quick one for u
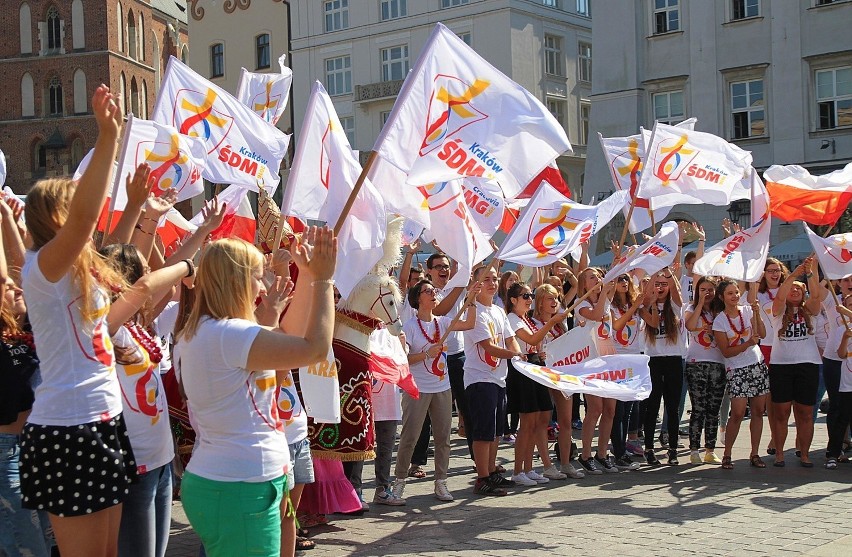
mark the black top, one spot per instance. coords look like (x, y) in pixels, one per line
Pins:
(18, 366)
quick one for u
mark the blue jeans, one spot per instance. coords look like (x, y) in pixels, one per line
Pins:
(22, 531)
(146, 515)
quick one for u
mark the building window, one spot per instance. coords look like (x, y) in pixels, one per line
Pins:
(824, 2)
(557, 108)
(217, 60)
(585, 114)
(27, 96)
(384, 115)
(25, 25)
(584, 62)
(668, 107)
(747, 106)
(77, 152)
(394, 63)
(834, 97)
(81, 96)
(39, 157)
(54, 98)
(583, 7)
(466, 38)
(348, 124)
(552, 55)
(120, 13)
(452, 3)
(666, 16)
(54, 35)
(336, 15)
(392, 9)
(741, 9)
(262, 57)
(338, 75)
(131, 36)
(550, 3)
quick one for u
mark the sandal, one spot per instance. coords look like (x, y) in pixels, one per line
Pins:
(500, 469)
(726, 463)
(770, 450)
(756, 461)
(304, 544)
(303, 533)
(416, 472)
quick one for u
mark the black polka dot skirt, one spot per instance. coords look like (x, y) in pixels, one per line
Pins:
(76, 470)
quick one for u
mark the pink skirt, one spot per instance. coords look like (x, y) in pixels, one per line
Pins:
(331, 492)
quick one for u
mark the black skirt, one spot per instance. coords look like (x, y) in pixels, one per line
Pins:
(76, 470)
(524, 395)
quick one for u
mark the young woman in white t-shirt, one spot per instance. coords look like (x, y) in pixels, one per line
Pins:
(225, 362)
(665, 344)
(839, 421)
(774, 273)
(794, 370)
(738, 330)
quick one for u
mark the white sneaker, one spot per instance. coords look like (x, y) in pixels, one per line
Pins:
(537, 478)
(441, 491)
(572, 472)
(386, 497)
(398, 488)
(553, 473)
(522, 479)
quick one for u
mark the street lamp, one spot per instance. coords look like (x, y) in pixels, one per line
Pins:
(737, 209)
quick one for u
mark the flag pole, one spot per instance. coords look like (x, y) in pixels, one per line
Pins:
(653, 223)
(626, 225)
(354, 194)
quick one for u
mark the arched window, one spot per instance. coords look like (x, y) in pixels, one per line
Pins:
(78, 27)
(134, 98)
(131, 36)
(25, 21)
(39, 156)
(141, 37)
(77, 152)
(27, 97)
(156, 61)
(54, 31)
(144, 101)
(122, 85)
(184, 54)
(55, 102)
(262, 54)
(120, 34)
(80, 94)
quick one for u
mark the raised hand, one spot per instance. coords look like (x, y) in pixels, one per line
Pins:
(159, 206)
(700, 231)
(278, 294)
(279, 262)
(107, 110)
(316, 254)
(213, 214)
(139, 185)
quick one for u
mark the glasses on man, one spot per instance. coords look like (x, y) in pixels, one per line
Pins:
(441, 267)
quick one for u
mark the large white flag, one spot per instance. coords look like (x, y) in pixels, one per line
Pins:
(654, 255)
(622, 377)
(742, 256)
(552, 225)
(833, 253)
(321, 179)
(266, 93)
(485, 202)
(177, 161)
(575, 346)
(684, 166)
(243, 149)
(458, 116)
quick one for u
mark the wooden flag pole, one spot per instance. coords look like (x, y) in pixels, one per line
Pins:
(653, 223)
(358, 184)
(624, 230)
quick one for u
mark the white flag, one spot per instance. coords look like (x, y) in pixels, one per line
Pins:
(683, 166)
(552, 225)
(321, 390)
(575, 346)
(177, 161)
(652, 256)
(266, 93)
(2, 168)
(833, 253)
(321, 179)
(458, 116)
(622, 377)
(485, 202)
(243, 149)
(742, 256)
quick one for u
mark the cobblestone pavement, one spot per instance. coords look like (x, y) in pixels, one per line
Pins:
(688, 509)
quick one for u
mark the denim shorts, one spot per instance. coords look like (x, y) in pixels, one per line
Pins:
(301, 462)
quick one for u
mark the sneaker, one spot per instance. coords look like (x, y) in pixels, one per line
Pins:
(441, 491)
(522, 479)
(664, 439)
(537, 478)
(672, 458)
(625, 463)
(651, 458)
(635, 448)
(606, 465)
(589, 466)
(501, 481)
(552, 433)
(712, 458)
(683, 433)
(386, 497)
(577, 424)
(484, 486)
(510, 439)
(572, 472)
(364, 505)
(695, 458)
(553, 473)
(398, 488)
(831, 464)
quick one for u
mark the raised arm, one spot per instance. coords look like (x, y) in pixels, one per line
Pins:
(780, 301)
(756, 321)
(12, 243)
(152, 286)
(213, 214)
(138, 188)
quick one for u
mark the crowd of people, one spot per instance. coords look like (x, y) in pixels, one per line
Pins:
(91, 329)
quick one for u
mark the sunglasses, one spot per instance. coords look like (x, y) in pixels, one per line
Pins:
(527, 296)
(625, 278)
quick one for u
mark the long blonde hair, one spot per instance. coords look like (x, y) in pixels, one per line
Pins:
(46, 211)
(223, 283)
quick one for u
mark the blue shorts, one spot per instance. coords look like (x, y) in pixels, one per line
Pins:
(301, 462)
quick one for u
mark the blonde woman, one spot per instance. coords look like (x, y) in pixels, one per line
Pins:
(235, 482)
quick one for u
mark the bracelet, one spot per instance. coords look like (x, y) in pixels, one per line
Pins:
(142, 230)
(190, 268)
(808, 275)
(326, 281)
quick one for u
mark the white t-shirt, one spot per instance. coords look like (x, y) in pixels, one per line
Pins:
(846, 364)
(821, 329)
(741, 335)
(146, 412)
(663, 346)
(291, 411)
(456, 340)
(833, 322)
(387, 402)
(79, 384)
(430, 374)
(479, 367)
(630, 339)
(766, 299)
(407, 311)
(702, 344)
(686, 286)
(794, 345)
(601, 331)
(234, 410)
(164, 325)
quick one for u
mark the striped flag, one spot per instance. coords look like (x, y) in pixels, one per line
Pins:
(794, 194)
